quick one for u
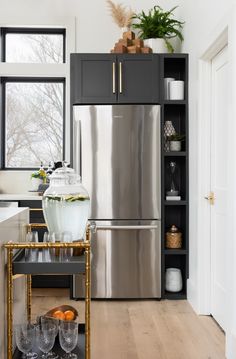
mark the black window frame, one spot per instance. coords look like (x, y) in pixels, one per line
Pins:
(33, 31)
(17, 79)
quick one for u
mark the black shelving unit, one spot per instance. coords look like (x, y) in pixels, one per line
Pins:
(175, 212)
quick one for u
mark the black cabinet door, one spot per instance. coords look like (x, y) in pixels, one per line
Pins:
(93, 78)
(138, 78)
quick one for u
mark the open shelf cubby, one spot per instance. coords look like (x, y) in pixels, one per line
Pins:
(179, 177)
(177, 261)
(175, 212)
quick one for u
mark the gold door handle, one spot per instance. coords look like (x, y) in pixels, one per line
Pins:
(120, 77)
(114, 77)
(211, 198)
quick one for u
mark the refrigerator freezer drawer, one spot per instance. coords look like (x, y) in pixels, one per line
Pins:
(126, 262)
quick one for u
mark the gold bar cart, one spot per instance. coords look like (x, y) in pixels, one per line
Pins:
(16, 266)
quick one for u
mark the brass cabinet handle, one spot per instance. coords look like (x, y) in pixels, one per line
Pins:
(211, 198)
(114, 77)
(120, 76)
(36, 209)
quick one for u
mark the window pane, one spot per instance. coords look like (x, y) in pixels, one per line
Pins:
(34, 123)
(34, 48)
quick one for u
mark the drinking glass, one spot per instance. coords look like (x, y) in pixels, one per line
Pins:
(32, 254)
(45, 338)
(46, 256)
(44, 321)
(68, 337)
(66, 253)
(24, 335)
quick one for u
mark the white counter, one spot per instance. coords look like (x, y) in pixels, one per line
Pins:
(13, 222)
(20, 197)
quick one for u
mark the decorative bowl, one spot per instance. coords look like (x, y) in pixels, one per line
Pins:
(62, 308)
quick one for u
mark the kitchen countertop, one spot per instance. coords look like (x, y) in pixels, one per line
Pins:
(20, 197)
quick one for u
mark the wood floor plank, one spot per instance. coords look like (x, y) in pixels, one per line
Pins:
(146, 329)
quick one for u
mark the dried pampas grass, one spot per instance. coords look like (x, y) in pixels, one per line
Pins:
(121, 16)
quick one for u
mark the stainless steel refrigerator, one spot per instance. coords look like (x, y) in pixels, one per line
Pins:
(116, 151)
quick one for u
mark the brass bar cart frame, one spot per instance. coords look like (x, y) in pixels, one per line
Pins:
(86, 245)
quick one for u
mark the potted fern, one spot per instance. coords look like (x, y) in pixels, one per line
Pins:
(157, 27)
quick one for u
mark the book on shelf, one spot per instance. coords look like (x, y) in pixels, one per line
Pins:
(173, 198)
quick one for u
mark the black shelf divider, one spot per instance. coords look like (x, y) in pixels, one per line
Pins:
(175, 212)
(175, 203)
(175, 154)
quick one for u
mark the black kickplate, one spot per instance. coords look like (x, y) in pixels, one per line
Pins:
(79, 350)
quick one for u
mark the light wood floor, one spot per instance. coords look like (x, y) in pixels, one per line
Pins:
(143, 329)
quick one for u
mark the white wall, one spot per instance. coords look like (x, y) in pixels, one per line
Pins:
(205, 19)
(95, 32)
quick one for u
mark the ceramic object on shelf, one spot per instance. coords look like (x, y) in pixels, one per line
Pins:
(66, 203)
(167, 81)
(175, 146)
(157, 45)
(173, 280)
(176, 90)
(169, 130)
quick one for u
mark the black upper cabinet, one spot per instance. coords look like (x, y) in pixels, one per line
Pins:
(109, 78)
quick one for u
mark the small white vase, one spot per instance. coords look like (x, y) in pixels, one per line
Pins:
(174, 281)
(158, 45)
(35, 182)
(175, 145)
(176, 89)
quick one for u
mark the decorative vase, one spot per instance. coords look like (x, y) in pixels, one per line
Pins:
(35, 182)
(66, 204)
(175, 146)
(167, 81)
(173, 280)
(173, 238)
(176, 90)
(169, 130)
(158, 45)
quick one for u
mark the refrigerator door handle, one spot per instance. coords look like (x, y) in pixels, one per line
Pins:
(77, 147)
(101, 227)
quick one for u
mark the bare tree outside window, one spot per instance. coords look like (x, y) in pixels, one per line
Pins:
(34, 109)
(34, 48)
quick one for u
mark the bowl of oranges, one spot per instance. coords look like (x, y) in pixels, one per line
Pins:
(63, 312)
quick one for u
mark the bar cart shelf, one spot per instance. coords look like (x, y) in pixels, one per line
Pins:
(17, 265)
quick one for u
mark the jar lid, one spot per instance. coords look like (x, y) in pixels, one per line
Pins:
(173, 229)
(65, 173)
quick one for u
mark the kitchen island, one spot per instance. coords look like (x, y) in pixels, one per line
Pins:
(13, 224)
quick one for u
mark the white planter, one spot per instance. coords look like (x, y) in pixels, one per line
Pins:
(35, 182)
(158, 46)
(175, 145)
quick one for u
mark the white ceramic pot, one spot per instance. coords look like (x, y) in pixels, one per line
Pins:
(175, 145)
(35, 182)
(176, 90)
(167, 81)
(174, 281)
(158, 45)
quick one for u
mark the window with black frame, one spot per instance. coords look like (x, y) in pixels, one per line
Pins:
(33, 108)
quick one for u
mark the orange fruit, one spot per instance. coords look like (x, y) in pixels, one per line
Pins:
(69, 315)
(59, 315)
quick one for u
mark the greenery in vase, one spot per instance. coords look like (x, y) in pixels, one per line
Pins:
(176, 137)
(68, 198)
(158, 23)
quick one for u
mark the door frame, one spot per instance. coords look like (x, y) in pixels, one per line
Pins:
(204, 131)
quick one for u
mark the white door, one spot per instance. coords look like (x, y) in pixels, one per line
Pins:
(219, 185)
